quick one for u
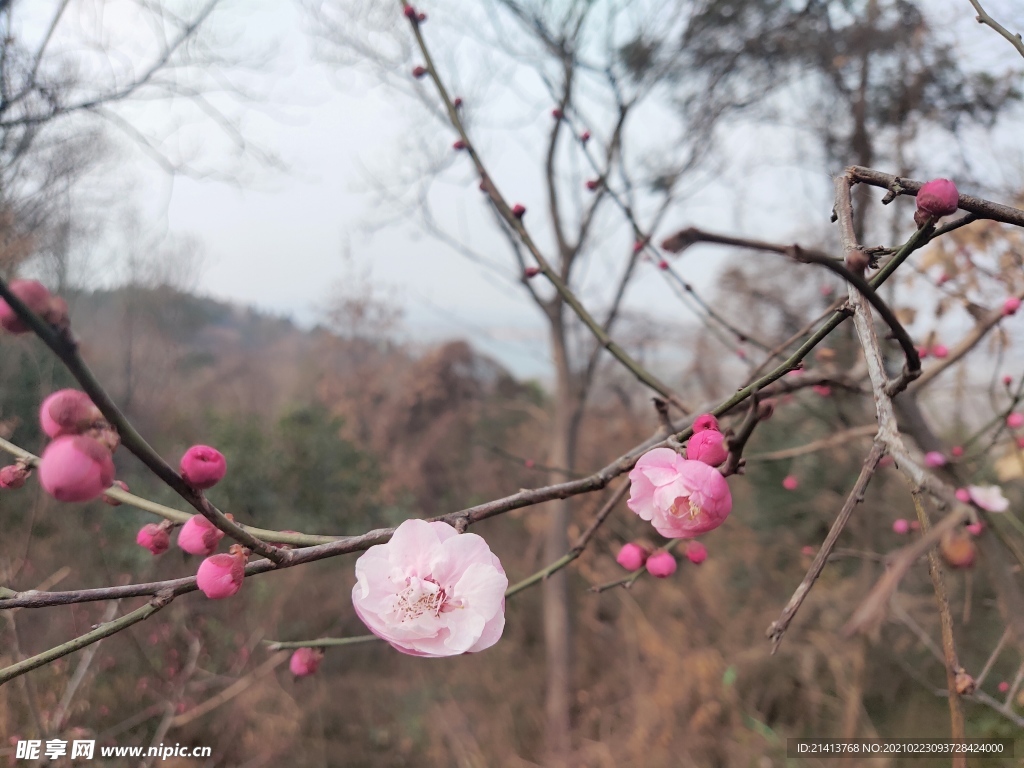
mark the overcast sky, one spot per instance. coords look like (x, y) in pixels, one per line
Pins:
(278, 238)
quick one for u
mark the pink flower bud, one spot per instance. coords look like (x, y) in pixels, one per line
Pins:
(975, 529)
(1004, 687)
(661, 565)
(696, 552)
(305, 661)
(110, 499)
(557, 113)
(807, 550)
(790, 483)
(529, 463)
(458, 102)
(707, 446)
(822, 390)
(203, 467)
(14, 476)
(75, 468)
(663, 265)
(934, 459)
(922, 352)
(962, 494)
(1015, 420)
(957, 549)
(632, 557)
(593, 184)
(705, 421)
(419, 71)
(68, 412)
(585, 137)
(33, 295)
(518, 210)
(220, 576)
(957, 451)
(153, 537)
(765, 409)
(531, 272)
(198, 536)
(940, 351)
(409, 11)
(939, 197)
(1011, 305)
(1007, 380)
(901, 526)
(421, 17)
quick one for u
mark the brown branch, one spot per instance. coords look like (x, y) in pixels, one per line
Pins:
(984, 18)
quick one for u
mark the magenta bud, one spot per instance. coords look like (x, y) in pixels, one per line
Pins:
(14, 476)
(421, 17)
(593, 184)
(790, 483)
(75, 468)
(1007, 380)
(458, 102)
(939, 197)
(975, 529)
(154, 537)
(1011, 305)
(198, 536)
(822, 390)
(1004, 687)
(220, 576)
(203, 467)
(68, 412)
(807, 550)
(632, 556)
(409, 11)
(531, 272)
(663, 265)
(557, 113)
(696, 552)
(33, 295)
(305, 661)
(1015, 420)
(518, 210)
(661, 565)
(419, 71)
(585, 137)
(705, 421)
(901, 526)
(940, 351)
(708, 446)
(962, 494)
(934, 459)
(459, 144)
(529, 463)
(957, 451)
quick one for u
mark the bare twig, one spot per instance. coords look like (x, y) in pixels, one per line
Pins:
(984, 18)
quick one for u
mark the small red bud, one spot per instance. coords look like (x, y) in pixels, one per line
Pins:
(529, 464)
(419, 71)
(940, 351)
(790, 483)
(557, 113)
(531, 272)
(939, 197)
(305, 661)
(458, 102)
(585, 137)
(593, 184)
(421, 17)
(663, 265)
(518, 210)
(459, 144)
(696, 552)
(410, 12)
(1011, 305)
(1007, 380)
(957, 451)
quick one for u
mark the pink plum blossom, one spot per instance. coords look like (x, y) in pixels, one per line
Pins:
(680, 497)
(705, 421)
(901, 526)
(431, 591)
(1015, 420)
(632, 556)
(939, 197)
(696, 552)
(708, 446)
(203, 467)
(198, 536)
(989, 497)
(68, 412)
(221, 576)
(153, 537)
(14, 476)
(934, 459)
(32, 294)
(661, 565)
(305, 661)
(75, 468)
(1011, 305)
(790, 483)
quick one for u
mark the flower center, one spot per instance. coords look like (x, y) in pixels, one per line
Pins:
(678, 510)
(421, 596)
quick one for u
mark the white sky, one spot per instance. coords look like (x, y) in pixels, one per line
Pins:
(278, 242)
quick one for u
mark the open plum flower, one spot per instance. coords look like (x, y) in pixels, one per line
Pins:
(431, 591)
(682, 498)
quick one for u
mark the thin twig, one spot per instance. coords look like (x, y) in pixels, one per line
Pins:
(984, 18)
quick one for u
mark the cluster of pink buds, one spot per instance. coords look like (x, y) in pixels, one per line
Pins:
(937, 198)
(33, 294)
(660, 564)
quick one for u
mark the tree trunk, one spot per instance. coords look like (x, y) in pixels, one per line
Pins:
(557, 630)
